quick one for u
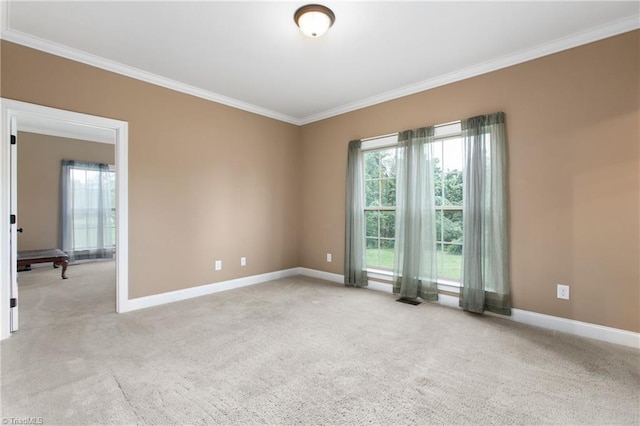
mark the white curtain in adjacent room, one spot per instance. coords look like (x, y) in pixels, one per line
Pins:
(87, 210)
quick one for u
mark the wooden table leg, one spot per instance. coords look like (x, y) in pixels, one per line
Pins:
(64, 264)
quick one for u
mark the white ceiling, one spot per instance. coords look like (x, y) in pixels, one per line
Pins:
(251, 55)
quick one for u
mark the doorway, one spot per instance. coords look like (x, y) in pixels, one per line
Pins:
(23, 117)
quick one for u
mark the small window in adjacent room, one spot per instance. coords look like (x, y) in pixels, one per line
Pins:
(88, 215)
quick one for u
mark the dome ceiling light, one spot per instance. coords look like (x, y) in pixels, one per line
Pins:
(314, 19)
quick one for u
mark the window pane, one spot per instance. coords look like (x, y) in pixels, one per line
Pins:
(372, 252)
(372, 258)
(380, 191)
(80, 198)
(388, 163)
(388, 192)
(452, 226)
(452, 262)
(372, 193)
(448, 168)
(372, 165)
(372, 243)
(77, 176)
(380, 238)
(371, 218)
(92, 218)
(79, 221)
(387, 253)
(388, 224)
(92, 237)
(452, 172)
(453, 188)
(90, 223)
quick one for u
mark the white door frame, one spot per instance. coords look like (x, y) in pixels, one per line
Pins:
(13, 227)
(17, 109)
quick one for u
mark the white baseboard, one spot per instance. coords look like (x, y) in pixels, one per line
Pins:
(191, 292)
(329, 276)
(450, 301)
(577, 328)
(337, 278)
(378, 286)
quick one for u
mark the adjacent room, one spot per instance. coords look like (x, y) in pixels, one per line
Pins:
(66, 196)
(336, 213)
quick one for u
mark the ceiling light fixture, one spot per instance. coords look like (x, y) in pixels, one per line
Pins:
(314, 19)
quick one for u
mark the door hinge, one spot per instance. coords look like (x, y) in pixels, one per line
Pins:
(12, 220)
(13, 302)
(13, 139)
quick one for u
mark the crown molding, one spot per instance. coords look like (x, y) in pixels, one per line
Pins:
(599, 33)
(118, 68)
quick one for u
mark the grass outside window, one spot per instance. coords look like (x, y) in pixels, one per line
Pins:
(449, 265)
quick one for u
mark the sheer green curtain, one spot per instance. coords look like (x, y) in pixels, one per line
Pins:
(355, 273)
(414, 269)
(485, 267)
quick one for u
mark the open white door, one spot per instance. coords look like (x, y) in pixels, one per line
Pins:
(13, 232)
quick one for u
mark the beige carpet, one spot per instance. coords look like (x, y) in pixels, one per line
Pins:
(297, 351)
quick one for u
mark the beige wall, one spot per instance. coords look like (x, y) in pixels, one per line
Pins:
(573, 139)
(210, 182)
(39, 166)
(206, 181)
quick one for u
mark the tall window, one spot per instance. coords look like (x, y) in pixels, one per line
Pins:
(380, 201)
(449, 202)
(380, 207)
(88, 210)
(448, 195)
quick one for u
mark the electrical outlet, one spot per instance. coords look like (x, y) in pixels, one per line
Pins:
(243, 261)
(218, 265)
(563, 291)
(329, 257)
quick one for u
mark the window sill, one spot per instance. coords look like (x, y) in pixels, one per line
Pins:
(380, 274)
(386, 277)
